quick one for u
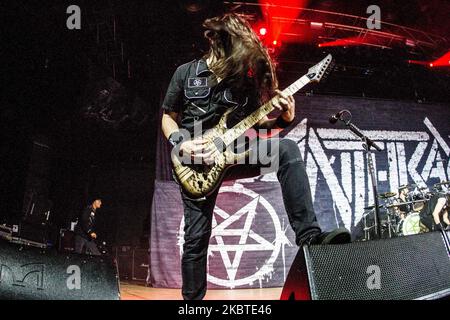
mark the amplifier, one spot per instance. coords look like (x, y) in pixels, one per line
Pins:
(403, 268)
(28, 273)
(132, 263)
(66, 241)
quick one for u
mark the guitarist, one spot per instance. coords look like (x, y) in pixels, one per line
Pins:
(237, 73)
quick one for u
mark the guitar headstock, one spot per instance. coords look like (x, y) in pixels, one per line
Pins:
(320, 70)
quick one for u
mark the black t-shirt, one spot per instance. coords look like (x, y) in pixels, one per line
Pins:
(431, 204)
(194, 92)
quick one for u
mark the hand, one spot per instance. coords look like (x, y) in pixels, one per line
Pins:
(200, 150)
(93, 235)
(286, 104)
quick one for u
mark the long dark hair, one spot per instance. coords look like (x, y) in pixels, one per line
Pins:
(240, 57)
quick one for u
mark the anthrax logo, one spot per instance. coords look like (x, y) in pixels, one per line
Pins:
(335, 160)
(234, 238)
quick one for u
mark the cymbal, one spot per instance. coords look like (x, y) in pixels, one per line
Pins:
(387, 195)
(407, 186)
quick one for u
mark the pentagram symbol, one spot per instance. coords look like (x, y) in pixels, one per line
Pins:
(234, 238)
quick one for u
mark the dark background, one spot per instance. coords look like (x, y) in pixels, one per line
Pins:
(85, 103)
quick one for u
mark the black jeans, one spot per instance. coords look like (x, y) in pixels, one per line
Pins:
(90, 245)
(291, 173)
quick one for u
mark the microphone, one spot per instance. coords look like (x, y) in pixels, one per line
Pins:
(338, 116)
(335, 117)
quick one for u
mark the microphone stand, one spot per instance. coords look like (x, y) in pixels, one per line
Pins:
(367, 145)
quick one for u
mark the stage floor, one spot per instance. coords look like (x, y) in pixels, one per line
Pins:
(138, 291)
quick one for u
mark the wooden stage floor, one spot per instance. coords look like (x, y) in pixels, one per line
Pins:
(138, 291)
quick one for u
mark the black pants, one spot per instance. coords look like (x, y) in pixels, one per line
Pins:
(82, 243)
(291, 173)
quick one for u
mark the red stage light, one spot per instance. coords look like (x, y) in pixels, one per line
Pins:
(410, 43)
(443, 61)
(316, 25)
(276, 43)
(262, 31)
(353, 41)
(424, 63)
(280, 15)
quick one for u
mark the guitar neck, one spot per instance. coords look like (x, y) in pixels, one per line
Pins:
(261, 112)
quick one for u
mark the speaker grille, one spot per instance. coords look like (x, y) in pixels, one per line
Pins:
(412, 267)
(30, 273)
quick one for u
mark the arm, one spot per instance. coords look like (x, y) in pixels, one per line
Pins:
(287, 105)
(437, 209)
(172, 107)
(173, 104)
(169, 123)
(196, 148)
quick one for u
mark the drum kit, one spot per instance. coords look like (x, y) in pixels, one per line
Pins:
(400, 211)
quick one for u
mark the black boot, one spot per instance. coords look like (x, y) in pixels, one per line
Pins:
(337, 236)
(439, 227)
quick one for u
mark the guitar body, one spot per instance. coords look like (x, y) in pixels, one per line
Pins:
(199, 180)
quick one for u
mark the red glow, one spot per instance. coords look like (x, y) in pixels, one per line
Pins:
(353, 41)
(443, 61)
(276, 10)
(424, 63)
(410, 43)
(262, 31)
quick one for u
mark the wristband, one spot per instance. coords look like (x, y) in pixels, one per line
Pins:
(281, 123)
(175, 138)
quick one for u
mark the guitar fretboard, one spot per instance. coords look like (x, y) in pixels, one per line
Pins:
(261, 112)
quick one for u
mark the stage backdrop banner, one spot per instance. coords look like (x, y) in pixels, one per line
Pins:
(252, 243)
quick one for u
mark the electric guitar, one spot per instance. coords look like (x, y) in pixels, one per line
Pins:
(199, 180)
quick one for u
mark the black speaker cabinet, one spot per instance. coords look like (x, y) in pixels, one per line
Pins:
(66, 241)
(132, 263)
(36, 232)
(404, 268)
(32, 273)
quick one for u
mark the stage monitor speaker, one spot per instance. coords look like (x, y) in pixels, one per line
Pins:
(403, 268)
(28, 273)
